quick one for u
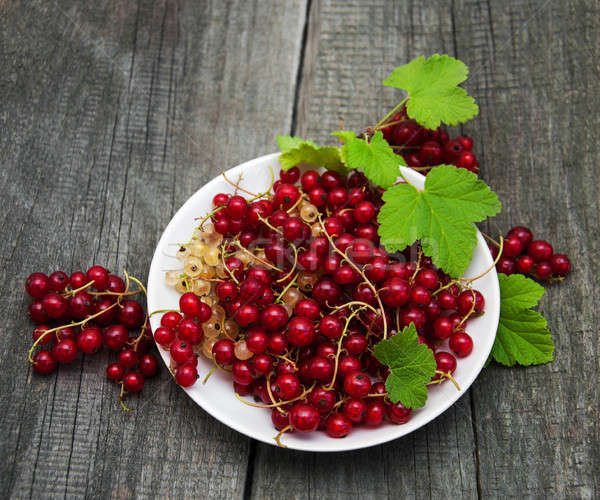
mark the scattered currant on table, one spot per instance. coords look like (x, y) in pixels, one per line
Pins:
(85, 312)
(523, 255)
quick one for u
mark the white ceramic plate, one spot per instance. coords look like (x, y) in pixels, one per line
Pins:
(217, 397)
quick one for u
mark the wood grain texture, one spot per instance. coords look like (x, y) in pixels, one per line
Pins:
(111, 113)
(351, 47)
(534, 72)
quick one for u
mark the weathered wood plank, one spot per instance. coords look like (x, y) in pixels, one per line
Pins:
(352, 46)
(113, 114)
(534, 73)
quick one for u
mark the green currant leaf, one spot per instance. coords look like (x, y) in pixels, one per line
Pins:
(433, 92)
(344, 135)
(523, 336)
(289, 142)
(441, 216)
(296, 151)
(411, 367)
(376, 158)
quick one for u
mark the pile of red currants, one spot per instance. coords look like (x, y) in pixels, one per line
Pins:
(422, 148)
(84, 312)
(290, 291)
(522, 254)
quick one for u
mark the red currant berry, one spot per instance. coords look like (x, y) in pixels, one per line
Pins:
(357, 385)
(461, 343)
(290, 176)
(543, 270)
(67, 332)
(442, 328)
(115, 337)
(58, 281)
(39, 332)
(300, 331)
(280, 420)
(331, 180)
(375, 413)
(237, 207)
(304, 417)
(307, 308)
(560, 264)
(395, 292)
(310, 180)
(115, 372)
(465, 302)
(447, 300)
(274, 317)
(524, 264)
(221, 199)
(431, 153)
(355, 410)
(90, 340)
(338, 426)
(190, 331)
(413, 315)
(186, 375)
(37, 313)
(223, 352)
(170, 319)
(512, 247)
(134, 381)
(241, 372)
(506, 265)
(445, 362)
(286, 196)
(247, 315)
(104, 304)
(64, 351)
(278, 343)
(257, 340)
(524, 234)
(37, 285)
(327, 292)
(355, 343)
(130, 314)
(148, 365)
(164, 336)
(55, 305)
(99, 275)
(322, 399)
(540, 250)
(43, 362)
(398, 414)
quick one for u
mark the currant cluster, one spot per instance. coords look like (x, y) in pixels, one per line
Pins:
(422, 148)
(84, 312)
(522, 254)
(297, 290)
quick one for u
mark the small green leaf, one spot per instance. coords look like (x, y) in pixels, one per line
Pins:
(289, 142)
(411, 367)
(441, 216)
(376, 158)
(318, 156)
(433, 92)
(523, 336)
(344, 135)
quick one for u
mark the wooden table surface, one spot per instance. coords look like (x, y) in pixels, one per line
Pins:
(114, 112)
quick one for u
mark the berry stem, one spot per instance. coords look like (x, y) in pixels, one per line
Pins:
(209, 374)
(287, 287)
(70, 293)
(293, 267)
(339, 348)
(470, 280)
(237, 186)
(281, 403)
(281, 433)
(258, 259)
(391, 113)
